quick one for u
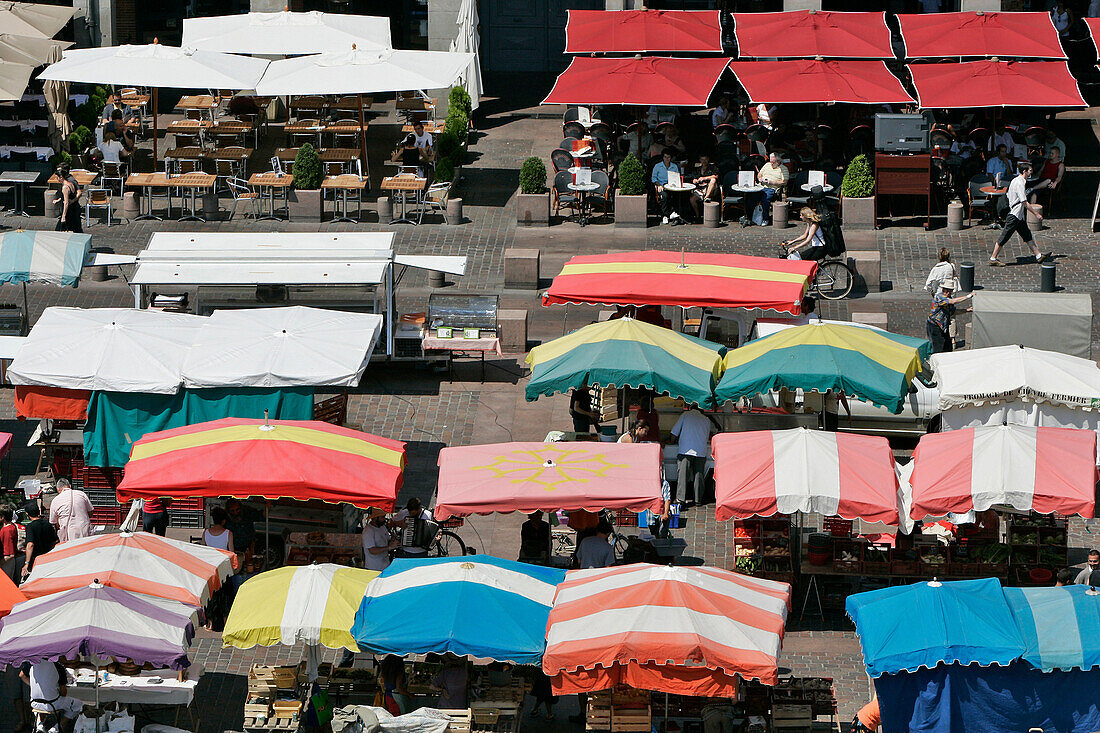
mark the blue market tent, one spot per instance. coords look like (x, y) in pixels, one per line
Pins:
(480, 606)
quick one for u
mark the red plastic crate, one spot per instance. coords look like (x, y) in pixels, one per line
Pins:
(190, 504)
(626, 518)
(107, 515)
(96, 477)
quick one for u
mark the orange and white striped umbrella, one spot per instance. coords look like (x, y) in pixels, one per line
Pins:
(684, 630)
(139, 562)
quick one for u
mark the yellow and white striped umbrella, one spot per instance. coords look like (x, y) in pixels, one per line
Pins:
(314, 604)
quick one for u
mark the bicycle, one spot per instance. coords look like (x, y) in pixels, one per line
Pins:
(834, 279)
(444, 542)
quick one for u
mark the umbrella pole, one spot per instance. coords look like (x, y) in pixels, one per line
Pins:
(267, 532)
(155, 128)
(26, 311)
(362, 138)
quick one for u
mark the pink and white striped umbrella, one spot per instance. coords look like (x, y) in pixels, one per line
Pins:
(685, 630)
(766, 472)
(1027, 468)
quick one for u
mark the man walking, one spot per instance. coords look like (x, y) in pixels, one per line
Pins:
(693, 431)
(70, 512)
(1016, 221)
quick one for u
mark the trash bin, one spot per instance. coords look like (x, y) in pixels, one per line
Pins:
(966, 277)
(1048, 275)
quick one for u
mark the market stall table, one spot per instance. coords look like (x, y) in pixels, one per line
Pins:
(404, 185)
(463, 346)
(19, 179)
(342, 185)
(160, 687)
(272, 181)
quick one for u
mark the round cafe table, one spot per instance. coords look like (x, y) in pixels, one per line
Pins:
(583, 189)
(994, 191)
(809, 187)
(680, 190)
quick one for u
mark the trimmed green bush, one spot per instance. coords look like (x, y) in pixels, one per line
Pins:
(532, 177)
(308, 173)
(631, 176)
(80, 138)
(460, 98)
(858, 182)
(457, 123)
(444, 170)
(446, 144)
(59, 158)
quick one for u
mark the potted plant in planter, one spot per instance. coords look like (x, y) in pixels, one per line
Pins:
(533, 199)
(305, 198)
(857, 195)
(631, 200)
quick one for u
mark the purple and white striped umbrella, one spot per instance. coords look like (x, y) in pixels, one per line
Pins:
(99, 621)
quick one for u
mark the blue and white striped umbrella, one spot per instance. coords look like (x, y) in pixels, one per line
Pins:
(479, 606)
(1060, 626)
(49, 257)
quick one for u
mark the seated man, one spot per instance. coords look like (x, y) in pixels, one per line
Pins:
(773, 176)
(659, 178)
(424, 141)
(48, 690)
(706, 183)
(117, 127)
(999, 167)
(115, 105)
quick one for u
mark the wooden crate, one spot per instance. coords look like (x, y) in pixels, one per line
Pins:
(255, 707)
(631, 719)
(792, 718)
(461, 720)
(287, 708)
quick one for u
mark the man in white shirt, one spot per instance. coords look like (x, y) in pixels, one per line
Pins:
(1084, 577)
(1016, 221)
(113, 151)
(424, 140)
(70, 512)
(412, 511)
(693, 431)
(377, 542)
(48, 690)
(594, 551)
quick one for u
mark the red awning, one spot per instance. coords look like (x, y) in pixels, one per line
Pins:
(1094, 29)
(653, 80)
(643, 31)
(806, 33)
(996, 84)
(51, 403)
(653, 277)
(1016, 35)
(805, 81)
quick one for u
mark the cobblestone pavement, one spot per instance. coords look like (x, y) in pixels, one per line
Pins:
(431, 411)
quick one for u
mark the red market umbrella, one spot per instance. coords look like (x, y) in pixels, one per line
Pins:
(816, 81)
(643, 31)
(767, 472)
(653, 80)
(810, 33)
(1094, 29)
(296, 459)
(996, 84)
(1024, 467)
(9, 595)
(1016, 35)
(653, 277)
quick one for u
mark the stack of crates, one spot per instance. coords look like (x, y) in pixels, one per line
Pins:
(189, 512)
(100, 484)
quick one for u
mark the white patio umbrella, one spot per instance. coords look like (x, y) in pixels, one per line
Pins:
(31, 50)
(468, 40)
(360, 72)
(154, 65)
(34, 19)
(286, 33)
(13, 80)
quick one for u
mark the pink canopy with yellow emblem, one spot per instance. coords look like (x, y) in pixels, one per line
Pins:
(528, 477)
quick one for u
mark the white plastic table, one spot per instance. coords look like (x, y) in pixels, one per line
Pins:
(824, 187)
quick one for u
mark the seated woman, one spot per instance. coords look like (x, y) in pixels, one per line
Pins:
(811, 244)
(706, 183)
(1050, 177)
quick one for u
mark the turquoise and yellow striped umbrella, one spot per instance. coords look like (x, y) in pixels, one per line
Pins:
(627, 353)
(863, 363)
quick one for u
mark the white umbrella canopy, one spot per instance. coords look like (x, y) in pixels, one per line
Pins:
(13, 80)
(34, 19)
(29, 49)
(286, 33)
(468, 40)
(360, 71)
(154, 65)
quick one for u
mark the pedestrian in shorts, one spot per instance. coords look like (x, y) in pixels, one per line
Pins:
(1016, 221)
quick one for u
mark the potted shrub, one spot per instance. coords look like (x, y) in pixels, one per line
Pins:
(460, 98)
(533, 198)
(857, 195)
(305, 197)
(80, 139)
(631, 200)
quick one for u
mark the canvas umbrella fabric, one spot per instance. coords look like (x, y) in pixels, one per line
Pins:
(286, 33)
(626, 352)
(996, 84)
(806, 81)
(686, 279)
(9, 595)
(1023, 467)
(652, 80)
(767, 472)
(13, 80)
(468, 40)
(683, 630)
(140, 562)
(112, 623)
(864, 364)
(961, 622)
(297, 459)
(1060, 626)
(34, 19)
(36, 256)
(281, 347)
(528, 477)
(480, 607)
(953, 35)
(643, 31)
(31, 50)
(57, 101)
(810, 33)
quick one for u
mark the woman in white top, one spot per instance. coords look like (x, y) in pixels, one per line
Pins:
(638, 432)
(943, 270)
(217, 535)
(811, 244)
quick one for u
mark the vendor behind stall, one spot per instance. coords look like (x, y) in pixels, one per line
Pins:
(580, 409)
(452, 682)
(534, 543)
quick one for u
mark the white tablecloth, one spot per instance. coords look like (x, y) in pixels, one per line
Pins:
(43, 153)
(131, 690)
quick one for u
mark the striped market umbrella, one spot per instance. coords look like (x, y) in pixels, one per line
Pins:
(297, 459)
(683, 630)
(49, 257)
(627, 353)
(862, 363)
(140, 562)
(314, 604)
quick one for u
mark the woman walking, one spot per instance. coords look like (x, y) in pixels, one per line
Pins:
(69, 198)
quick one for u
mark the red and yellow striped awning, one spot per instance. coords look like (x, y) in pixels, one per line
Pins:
(272, 459)
(686, 279)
